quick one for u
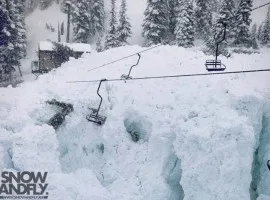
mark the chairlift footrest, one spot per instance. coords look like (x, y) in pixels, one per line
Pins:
(98, 119)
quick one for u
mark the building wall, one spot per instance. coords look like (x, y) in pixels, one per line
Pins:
(46, 62)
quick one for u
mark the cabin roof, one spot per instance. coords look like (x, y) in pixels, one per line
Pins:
(77, 47)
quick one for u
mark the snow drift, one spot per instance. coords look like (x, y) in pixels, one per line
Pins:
(199, 138)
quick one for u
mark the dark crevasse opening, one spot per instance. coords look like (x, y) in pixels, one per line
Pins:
(7, 155)
(172, 173)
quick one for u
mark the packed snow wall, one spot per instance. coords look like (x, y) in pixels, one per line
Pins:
(190, 138)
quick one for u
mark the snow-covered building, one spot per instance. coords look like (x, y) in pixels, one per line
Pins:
(46, 56)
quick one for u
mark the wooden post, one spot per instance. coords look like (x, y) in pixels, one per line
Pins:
(59, 34)
(68, 21)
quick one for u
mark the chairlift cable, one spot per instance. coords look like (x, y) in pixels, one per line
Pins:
(123, 58)
(260, 6)
(173, 76)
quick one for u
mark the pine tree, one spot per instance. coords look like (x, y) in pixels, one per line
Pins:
(44, 4)
(124, 28)
(259, 33)
(9, 54)
(21, 27)
(265, 35)
(3, 24)
(99, 47)
(226, 15)
(111, 39)
(254, 29)
(184, 30)
(97, 17)
(30, 5)
(203, 16)
(88, 19)
(254, 37)
(172, 5)
(242, 37)
(156, 22)
(4, 37)
(81, 21)
(216, 37)
(13, 35)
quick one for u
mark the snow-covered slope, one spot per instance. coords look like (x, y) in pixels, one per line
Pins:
(198, 135)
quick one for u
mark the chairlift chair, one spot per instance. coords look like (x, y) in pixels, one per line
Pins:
(268, 164)
(94, 116)
(216, 65)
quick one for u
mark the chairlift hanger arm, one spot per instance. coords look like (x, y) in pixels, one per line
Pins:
(101, 99)
(124, 76)
(139, 57)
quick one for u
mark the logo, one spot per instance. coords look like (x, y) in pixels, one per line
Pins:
(23, 185)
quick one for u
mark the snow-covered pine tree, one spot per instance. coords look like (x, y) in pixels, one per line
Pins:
(259, 32)
(3, 26)
(172, 5)
(21, 28)
(215, 5)
(88, 19)
(97, 17)
(265, 35)
(124, 27)
(156, 22)
(184, 29)
(203, 19)
(9, 54)
(242, 37)
(254, 37)
(226, 15)
(99, 47)
(254, 29)
(216, 37)
(31, 5)
(111, 39)
(81, 21)
(4, 38)
(44, 4)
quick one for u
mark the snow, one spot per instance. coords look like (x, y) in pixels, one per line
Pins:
(258, 16)
(77, 47)
(197, 140)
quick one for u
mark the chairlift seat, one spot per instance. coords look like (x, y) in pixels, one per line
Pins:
(268, 164)
(98, 119)
(214, 65)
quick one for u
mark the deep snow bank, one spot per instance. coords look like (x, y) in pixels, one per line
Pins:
(199, 133)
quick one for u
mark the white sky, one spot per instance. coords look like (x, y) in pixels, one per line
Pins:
(259, 15)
